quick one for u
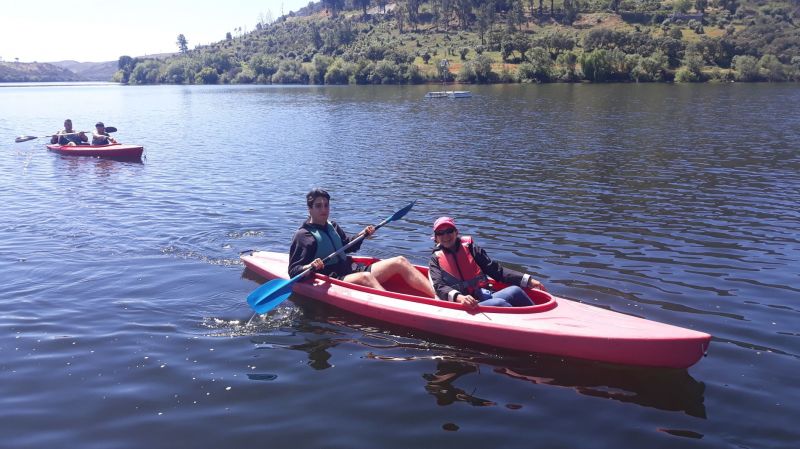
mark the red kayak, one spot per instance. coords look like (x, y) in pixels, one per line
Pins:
(552, 325)
(112, 151)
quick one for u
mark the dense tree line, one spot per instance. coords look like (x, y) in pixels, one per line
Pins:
(489, 41)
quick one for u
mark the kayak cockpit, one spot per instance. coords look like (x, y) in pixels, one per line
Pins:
(398, 289)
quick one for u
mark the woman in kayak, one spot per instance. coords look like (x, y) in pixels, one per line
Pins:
(317, 238)
(459, 270)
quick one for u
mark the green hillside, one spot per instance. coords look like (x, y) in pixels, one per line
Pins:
(90, 71)
(17, 72)
(487, 41)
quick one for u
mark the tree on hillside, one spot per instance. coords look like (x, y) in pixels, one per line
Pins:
(531, 8)
(571, 9)
(413, 7)
(412, 13)
(463, 12)
(484, 19)
(517, 13)
(445, 9)
(334, 6)
(401, 17)
(681, 6)
(126, 63)
(364, 4)
(183, 44)
(125, 66)
(701, 5)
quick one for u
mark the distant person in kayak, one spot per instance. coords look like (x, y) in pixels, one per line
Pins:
(459, 270)
(318, 237)
(100, 136)
(68, 136)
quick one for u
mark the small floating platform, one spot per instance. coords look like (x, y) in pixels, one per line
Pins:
(449, 94)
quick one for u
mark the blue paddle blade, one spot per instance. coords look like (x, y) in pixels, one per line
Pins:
(401, 213)
(268, 296)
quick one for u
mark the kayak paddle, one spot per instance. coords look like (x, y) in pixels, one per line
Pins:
(109, 129)
(268, 296)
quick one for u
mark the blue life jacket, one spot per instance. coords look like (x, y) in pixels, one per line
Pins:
(328, 241)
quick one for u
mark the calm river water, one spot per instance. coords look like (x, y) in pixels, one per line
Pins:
(123, 321)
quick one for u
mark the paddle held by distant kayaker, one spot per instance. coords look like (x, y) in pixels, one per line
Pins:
(68, 136)
(318, 237)
(458, 271)
(101, 136)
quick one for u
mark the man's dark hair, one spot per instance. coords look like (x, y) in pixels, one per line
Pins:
(314, 194)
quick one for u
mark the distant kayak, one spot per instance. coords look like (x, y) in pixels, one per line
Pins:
(112, 151)
(551, 326)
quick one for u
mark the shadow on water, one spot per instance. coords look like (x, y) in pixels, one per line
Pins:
(663, 389)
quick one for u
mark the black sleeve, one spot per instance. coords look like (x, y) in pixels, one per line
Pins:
(493, 269)
(301, 252)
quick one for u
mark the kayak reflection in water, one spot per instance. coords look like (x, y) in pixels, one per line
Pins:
(459, 270)
(68, 136)
(318, 237)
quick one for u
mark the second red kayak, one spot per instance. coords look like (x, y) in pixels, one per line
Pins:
(113, 151)
(552, 326)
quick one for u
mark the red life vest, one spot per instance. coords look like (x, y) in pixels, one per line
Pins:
(460, 270)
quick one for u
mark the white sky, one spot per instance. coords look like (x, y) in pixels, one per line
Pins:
(95, 31)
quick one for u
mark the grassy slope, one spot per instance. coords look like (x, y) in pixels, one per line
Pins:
(447, 44)
(12, 72)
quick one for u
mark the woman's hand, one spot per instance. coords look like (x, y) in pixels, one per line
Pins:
(467, 300)
(533, 283)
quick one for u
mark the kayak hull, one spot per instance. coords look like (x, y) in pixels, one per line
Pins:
(553, 325)
(113, 151)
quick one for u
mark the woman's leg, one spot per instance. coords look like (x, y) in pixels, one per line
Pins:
(485, 298)
(497, 302)
(400, 266)
(515, 296)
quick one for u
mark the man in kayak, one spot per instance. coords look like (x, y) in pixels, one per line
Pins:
(458, 271)
(317, 238)
(100, 136)
(69, 137)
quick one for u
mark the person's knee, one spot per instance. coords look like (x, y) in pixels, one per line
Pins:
(401, 261)
(366, 277)
(520, 298)
(369, 279)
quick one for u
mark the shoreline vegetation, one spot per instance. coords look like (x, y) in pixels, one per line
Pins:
(495, 41)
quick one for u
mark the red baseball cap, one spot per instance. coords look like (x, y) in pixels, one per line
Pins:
(443, 222)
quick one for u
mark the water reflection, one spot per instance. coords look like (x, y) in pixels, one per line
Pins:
(440, 384)
(104, 167)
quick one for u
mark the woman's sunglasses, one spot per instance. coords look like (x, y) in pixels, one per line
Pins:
(445, 231)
